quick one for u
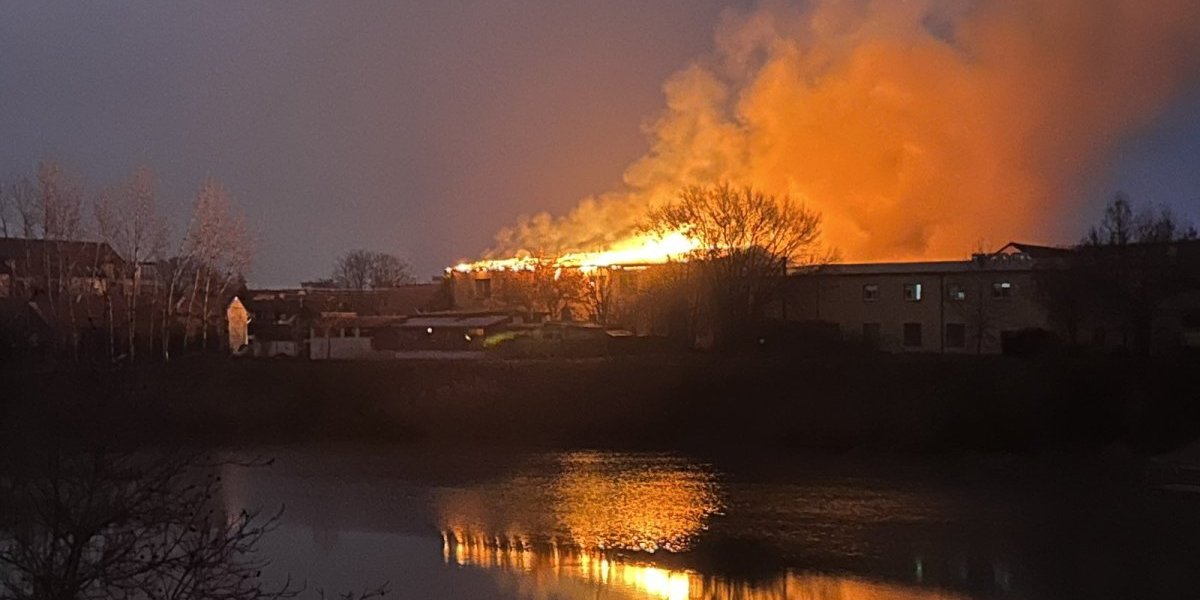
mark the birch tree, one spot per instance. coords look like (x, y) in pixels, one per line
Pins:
(218, 244)
(58, 204)
(127, 218)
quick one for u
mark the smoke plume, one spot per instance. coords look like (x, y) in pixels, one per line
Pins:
(919, 129)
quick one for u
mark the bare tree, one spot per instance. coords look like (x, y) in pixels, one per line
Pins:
(101, 525)
(599, 295)
(128, 219)
(1104, 280)
(364, 269)
(1122, 225)
(746, 242)
(23, 195)
(58, 205)
(557, 289)
(61, 202)
(19, 208)
(218, 244)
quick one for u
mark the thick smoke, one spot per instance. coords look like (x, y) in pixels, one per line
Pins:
(919, 128)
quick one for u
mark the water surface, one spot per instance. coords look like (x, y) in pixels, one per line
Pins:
(476, 524)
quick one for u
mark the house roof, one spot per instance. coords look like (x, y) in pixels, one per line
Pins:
(464, 321)
(1032, 250)
(1013, 256)
(353, 320)
(82, 257)
(402, 300)
(899, 268)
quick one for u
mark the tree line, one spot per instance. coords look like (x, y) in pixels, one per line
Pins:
(1121, 275)
(165, 293)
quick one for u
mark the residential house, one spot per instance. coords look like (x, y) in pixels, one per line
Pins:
(285, 322)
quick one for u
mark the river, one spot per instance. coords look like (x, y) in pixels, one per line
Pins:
(469, 523)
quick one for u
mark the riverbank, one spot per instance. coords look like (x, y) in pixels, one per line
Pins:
(701, 401)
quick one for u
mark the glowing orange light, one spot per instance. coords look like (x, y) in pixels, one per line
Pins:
(637, 250)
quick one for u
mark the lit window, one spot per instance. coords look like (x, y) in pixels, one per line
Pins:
(912, 334)
(956, 293)
(956, 335)
(870, 292)
(1002, 289)
(912, 292)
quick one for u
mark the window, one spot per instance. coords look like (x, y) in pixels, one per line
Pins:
(5, 285)
(912, 334)
(483, 288)
(1002, 289)
(1099, 336)
(629, 280)
(912, 292)
(870, 292)
(956, 335)
(871, 333)
(956, 293)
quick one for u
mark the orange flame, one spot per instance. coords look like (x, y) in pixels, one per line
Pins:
(640, 249)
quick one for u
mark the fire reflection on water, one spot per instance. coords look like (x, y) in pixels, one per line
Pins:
(559, 572)
(593, 501)
(601, 523)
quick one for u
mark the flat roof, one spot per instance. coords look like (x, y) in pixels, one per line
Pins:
(472, 321)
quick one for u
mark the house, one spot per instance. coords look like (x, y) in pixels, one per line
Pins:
(347, 335)
(447, 332)
(286, 322)
(64, 296)
(76, 267)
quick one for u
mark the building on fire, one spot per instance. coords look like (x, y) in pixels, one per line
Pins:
(1020, 296)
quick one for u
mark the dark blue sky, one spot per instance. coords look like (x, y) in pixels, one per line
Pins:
(418, 129)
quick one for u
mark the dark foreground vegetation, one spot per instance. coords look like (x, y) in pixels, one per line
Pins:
(694, 402)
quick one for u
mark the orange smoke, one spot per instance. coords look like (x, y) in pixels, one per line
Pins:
(918, 129)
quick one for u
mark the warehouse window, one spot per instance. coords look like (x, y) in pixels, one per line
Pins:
(956, 335)
(871, 333)
(912, 292)
(912, 334)
(1002, 289)
(870, 292)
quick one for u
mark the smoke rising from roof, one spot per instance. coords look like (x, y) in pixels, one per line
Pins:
(918, 129)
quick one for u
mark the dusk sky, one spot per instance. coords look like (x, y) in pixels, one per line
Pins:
(418, 129)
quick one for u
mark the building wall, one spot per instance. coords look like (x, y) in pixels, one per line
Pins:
(340, 348)
(955, 313)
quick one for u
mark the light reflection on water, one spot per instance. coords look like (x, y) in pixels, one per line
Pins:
(595, 501)
(652, 526)
(596, 508)
(554, 572)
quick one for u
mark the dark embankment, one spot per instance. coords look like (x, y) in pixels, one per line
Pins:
(686, 401)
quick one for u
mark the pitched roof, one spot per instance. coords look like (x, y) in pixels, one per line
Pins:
(81, 256)
(1032, 250)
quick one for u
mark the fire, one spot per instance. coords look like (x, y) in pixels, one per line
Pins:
(910, 126)
(642, 249)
